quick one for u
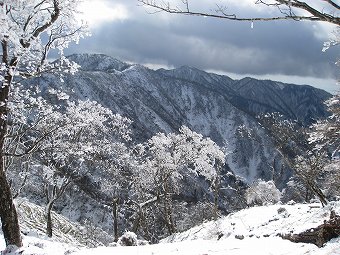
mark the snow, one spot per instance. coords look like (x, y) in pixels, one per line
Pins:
(280, 85)
(231, 247)
(250, 231)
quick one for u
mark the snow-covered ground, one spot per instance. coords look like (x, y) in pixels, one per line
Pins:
(250, 231)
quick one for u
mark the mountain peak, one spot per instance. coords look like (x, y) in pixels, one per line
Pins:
(98, 62)
(194, 74)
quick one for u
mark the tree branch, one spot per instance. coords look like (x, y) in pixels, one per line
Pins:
(54, 16)
(36, 144)
(222, 14)
(4, 45)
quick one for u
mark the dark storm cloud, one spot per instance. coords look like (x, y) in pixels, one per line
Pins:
(289, 48)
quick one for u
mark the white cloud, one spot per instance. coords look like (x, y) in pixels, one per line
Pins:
(323, 31)
(97, 12)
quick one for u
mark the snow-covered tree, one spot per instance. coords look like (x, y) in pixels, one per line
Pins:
(315, 166)
(29, 30)
(84, 134)
(263, 193)
(289, 136)
(308, 163)
(66, 138)
(116, 170)
(331, 182)
(170, 158)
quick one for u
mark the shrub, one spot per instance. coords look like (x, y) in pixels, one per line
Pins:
(128, 239)
(263, 193)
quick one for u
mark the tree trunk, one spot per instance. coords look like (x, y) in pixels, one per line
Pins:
(216, 189)
(8, 214)
(168, 217)
(52, 194)
(136, 222)
(48, 216)
(320, 235)
(217, 183)
(115, 218)
(318, 192)
(309, 194)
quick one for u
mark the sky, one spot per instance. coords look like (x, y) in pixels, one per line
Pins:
(287, 51)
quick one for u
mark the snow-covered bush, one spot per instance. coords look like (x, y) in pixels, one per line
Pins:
(263, 193)
(128, 239)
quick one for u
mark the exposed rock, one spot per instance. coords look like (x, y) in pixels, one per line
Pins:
(240, 237)
(320, 235)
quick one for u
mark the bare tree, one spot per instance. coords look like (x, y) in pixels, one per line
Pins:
(299, 153)
(326, 133)
(325, 136)
(288, 10)
(310, 169)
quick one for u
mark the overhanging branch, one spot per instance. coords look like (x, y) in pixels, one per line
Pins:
(221, 12)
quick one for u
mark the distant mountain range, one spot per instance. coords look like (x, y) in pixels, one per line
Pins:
(213, 105)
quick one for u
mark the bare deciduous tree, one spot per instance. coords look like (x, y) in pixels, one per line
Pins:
(309, 169)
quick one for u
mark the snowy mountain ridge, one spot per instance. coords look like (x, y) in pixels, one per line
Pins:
(213, 105)
(271, 95)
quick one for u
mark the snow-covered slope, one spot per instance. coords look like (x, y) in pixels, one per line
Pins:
(33, 224)
(249, 231)
(261, 222)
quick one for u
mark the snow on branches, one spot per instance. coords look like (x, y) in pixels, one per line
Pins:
(59, 132)
(263, 193)
(173, 155)
(30, 29)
